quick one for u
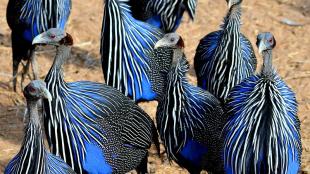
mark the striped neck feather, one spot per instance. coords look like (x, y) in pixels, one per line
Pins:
(228, 56)
(55, 74)
(264, 136)
(233, 19)
(31, 157)
(174, 124)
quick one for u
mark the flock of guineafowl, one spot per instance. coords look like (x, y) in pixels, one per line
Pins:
(236, 121)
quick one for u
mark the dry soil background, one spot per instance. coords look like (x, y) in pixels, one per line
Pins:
(291, 58)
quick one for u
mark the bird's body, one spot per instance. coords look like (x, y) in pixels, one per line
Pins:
(33, 157)
(189, 119)
(125, 45)
(167, 14)
(27, 19)
(262, 133)
(225, 57)
(92, 126)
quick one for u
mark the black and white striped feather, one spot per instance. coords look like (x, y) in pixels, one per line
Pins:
(125, 45)
(225, 57)
(87, 114)
(186, 113)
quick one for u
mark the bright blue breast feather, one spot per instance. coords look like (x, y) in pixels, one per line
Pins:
(125, 44)
(39, 16)
(94, 162)
(262, 134)
(194, 151)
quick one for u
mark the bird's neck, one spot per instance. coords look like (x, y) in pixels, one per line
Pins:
(32, 147)
(160, 63)
(177, 75)
(62, 54)
(177, 53)
(267, 69)
(232, 20)
(33, 113)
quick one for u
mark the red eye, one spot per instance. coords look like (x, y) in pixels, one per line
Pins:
(270, 40)
(31, 89)
(52, 36)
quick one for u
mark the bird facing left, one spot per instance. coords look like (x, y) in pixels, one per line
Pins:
(92, 126)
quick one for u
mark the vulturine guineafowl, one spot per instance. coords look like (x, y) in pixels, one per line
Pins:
(189, 119)
(262, 134)
(224, 57)
(125, 45)
(92, 126)
(27, 19)
(33, 157)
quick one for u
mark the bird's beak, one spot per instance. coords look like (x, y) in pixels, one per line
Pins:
(261, 47)
(158, 44)
(47, 95)
(229, 4)
(39, 39)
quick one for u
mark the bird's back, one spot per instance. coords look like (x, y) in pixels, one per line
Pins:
(218, 71)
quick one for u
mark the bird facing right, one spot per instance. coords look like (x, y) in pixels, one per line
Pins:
(262, 134)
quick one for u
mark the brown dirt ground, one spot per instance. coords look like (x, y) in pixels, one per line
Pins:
(291, 58)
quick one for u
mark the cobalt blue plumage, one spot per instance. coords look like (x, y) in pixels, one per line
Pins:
(125, 45)
(262, 134)
(92, 126)
(27, 19)
(33, 157)
(224, 57)
(189, 119)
